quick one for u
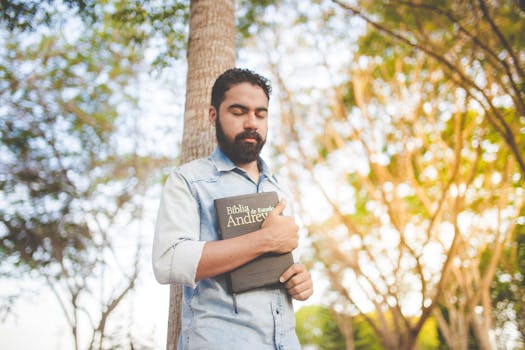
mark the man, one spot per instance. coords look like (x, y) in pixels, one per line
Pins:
(187, 249)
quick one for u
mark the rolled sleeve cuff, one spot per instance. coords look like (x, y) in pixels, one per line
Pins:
(177, 247)
(179, 264)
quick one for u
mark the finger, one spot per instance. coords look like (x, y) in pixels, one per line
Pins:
(297, 281)
(279, 208)
(302, 291)
(302, 296)
(300, 280)
(292, 270)
(296, 285)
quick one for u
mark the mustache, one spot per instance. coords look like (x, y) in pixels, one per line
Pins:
(248, 134)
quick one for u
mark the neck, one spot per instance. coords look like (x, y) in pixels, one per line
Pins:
(252, 169)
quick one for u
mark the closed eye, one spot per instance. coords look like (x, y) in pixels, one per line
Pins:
(261, 113)
(238, 110)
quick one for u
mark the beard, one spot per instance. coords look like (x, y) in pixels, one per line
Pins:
(238, 150)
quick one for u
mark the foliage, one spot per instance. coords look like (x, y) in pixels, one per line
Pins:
(476, 44)
(400, 167)
(163, 24)
(58, 115)
(315, 325)
(71, 173)
(428, 337)
(160, 26)
(250, 18)
(364, 336)
(508, 289)
(29, 15)
(479, 49)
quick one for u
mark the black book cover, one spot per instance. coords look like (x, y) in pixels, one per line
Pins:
(242, 214)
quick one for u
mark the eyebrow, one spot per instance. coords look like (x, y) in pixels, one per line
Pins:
(243, 107)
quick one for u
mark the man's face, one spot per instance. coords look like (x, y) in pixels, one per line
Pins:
(242, 122)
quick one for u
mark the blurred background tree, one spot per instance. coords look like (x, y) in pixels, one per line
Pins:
(316, 327)
(75, 169)
(319, 327)
(416, 148)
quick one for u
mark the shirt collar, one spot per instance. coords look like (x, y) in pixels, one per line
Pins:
(223, 163)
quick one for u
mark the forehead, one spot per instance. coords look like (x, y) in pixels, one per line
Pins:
(246, 94)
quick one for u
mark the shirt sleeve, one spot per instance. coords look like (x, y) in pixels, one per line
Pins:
(176, 246)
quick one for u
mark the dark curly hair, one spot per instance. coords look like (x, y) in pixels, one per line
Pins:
(235, 76)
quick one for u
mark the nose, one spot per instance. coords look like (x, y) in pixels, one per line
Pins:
(250, 121)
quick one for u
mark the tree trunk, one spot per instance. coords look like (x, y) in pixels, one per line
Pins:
(211, 50)
(345, 325)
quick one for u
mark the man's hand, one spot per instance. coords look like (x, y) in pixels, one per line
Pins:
(282, 232)
(298, 282)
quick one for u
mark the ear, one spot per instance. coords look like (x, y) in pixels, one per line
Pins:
(212, 115)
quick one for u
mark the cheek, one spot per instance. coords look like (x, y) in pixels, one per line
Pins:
(232, 127)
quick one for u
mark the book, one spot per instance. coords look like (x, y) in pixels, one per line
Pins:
(242, 214)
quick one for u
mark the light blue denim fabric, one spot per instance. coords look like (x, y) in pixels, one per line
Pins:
(265, 318)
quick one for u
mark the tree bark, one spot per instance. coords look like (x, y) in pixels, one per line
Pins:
(211, 50)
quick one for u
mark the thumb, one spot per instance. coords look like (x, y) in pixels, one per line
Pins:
(279, 208)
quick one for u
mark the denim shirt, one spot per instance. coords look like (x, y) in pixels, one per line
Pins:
(186, 220)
